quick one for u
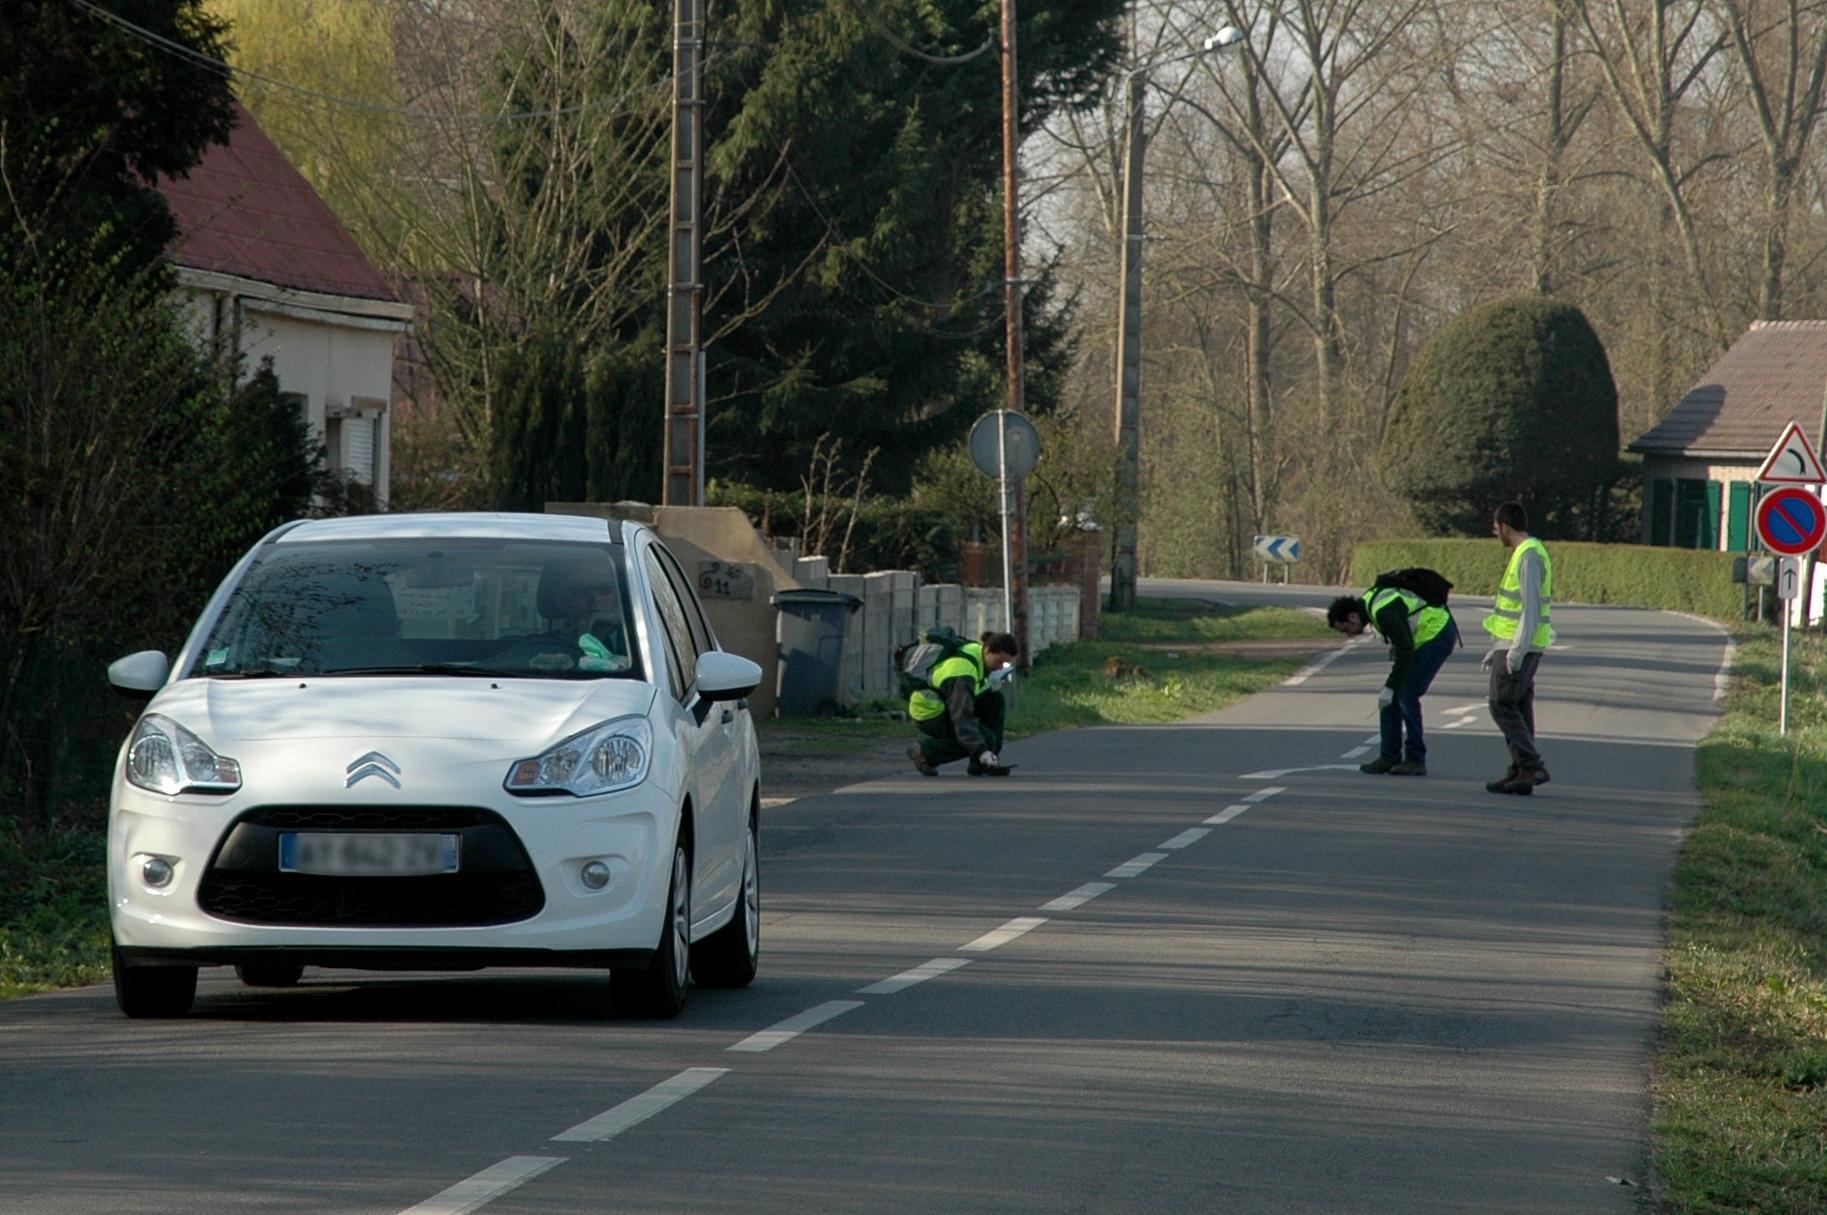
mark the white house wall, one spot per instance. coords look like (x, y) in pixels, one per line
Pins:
(339, 363)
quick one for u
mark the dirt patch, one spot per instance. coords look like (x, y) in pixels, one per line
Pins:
(802, 762)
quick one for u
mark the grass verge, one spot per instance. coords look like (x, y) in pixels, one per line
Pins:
(53, 912)
(1741, 1074)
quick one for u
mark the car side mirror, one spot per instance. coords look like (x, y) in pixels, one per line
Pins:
(139, 675)
(726, 676)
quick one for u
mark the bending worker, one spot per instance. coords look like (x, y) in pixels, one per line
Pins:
(961, 714)
(1420, 637)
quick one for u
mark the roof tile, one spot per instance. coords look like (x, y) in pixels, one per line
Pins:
(244, 210)
(1774, 374)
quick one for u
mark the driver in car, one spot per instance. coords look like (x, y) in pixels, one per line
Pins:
(581, 611)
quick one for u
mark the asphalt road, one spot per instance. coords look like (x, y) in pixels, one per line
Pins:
(1203, 967)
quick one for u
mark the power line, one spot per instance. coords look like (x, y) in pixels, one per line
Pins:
(199, 60)
(900, 44)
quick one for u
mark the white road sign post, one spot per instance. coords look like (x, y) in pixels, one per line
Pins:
(1791, 521)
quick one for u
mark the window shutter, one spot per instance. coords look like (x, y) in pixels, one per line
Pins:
(1738, 518)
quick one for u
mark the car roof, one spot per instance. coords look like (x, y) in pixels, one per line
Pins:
(499, 525)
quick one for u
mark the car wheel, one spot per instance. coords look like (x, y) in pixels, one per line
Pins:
(730, 956)
(153, 991)
(269, 974)
(658, 989)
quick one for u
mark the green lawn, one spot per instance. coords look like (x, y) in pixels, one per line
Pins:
(1741, 1076)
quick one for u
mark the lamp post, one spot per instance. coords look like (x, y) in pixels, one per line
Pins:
(1129, 329)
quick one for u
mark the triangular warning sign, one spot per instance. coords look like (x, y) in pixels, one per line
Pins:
(1792, 461)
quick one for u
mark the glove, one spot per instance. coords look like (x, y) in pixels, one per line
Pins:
(1511, 660)
(1490, 656)
(990, 759)
(998, 678)
(1386, 697)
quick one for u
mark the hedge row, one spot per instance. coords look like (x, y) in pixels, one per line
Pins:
(1634, 575)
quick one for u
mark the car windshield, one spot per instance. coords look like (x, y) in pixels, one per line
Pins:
(519, 608)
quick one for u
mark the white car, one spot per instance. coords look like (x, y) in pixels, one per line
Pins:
(440, 741)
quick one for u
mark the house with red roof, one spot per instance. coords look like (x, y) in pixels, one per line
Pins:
(268, 272)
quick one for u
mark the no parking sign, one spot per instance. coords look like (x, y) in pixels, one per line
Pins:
(1791, 520)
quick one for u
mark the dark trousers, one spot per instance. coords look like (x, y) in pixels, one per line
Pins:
(1403, 714)
(1513, 709)
(939, 741)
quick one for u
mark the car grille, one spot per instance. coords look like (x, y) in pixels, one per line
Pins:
(496, 884)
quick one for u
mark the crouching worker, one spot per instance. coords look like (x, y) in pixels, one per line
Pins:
(1420, 636)
(960, 715)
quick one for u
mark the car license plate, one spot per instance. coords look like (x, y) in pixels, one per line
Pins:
(366, 853)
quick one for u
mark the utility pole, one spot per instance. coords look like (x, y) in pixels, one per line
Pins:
(683, 445)
(1129, 361)
(1014, 505)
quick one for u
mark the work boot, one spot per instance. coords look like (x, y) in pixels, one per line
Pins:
(922, 765)
(1509, 782)
(1535, 776)
(1408, 767)
(1377, 766)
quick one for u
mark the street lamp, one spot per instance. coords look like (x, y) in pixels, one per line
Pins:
(1129, 329)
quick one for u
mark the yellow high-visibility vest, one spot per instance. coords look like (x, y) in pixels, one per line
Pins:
(926, 703)
(1424, 619)
(1506, 616)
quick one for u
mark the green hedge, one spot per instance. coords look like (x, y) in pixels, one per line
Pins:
(1634, 575)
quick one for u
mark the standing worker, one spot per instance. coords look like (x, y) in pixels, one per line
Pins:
(1520, 635)
(961, 714)
(1420, 635)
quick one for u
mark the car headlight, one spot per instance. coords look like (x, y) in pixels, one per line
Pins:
(602, 759)
(166, 758)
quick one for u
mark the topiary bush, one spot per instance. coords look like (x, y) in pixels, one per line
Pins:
(1512, 400)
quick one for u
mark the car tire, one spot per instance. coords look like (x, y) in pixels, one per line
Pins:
(153, 991)
(269, 974)
(730, 956)
(658, 989)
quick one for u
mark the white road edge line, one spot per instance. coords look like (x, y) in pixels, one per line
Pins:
(640, 1108)
(1072, 900)
(486, 1186)
(907, 978)
(1722, 680)
(1130, 868)
(1191, 835)
(1315, 667)
(1227, 814)
(1002, 936)
(1262, 795)
(795, 1025)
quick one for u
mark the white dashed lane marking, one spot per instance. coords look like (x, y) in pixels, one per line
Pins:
(1227, 814)
(486, 1186)
(919, 974)
(1354, 752)
(1074, 899)
(795, 1025)
(1191, 835)
(1130, 868)
(638, 1109)
(1264, 794)
(1002, 936)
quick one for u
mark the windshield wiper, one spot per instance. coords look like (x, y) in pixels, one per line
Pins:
(256, 673)
(425, 668)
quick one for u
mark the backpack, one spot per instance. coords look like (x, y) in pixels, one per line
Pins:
(914, 663)
(1416, 580)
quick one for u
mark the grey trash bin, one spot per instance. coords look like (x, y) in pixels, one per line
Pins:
(810, 630)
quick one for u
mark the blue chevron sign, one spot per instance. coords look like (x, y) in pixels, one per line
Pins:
(1276, 548)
